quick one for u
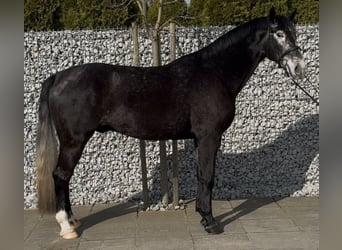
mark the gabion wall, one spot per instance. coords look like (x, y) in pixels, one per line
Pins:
(271, 149)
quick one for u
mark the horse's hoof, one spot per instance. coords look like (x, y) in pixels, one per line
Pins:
(75, 224)
(204, 222)
(69, 235)
(214, 228)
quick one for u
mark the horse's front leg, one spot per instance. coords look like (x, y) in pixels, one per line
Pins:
(206, 148)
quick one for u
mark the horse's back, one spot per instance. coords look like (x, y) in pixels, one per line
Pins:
(148, 103)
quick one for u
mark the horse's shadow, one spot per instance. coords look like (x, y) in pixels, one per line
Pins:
(279, 169)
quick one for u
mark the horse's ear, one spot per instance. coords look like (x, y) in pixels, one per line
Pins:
(292, 15)
(272, 15)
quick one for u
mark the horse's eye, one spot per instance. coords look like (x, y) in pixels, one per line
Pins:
(280, 34)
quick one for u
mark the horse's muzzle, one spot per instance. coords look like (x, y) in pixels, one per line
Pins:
(294, 65)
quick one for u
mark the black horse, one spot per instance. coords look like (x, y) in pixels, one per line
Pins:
(192, 97)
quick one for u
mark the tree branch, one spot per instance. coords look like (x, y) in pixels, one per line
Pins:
(174, 19)
(140, 6)
(171, 2)
(159, 26)
(167, 22)
(160, 9)
(125, 3)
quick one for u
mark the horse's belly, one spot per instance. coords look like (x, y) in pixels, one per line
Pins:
(150, 126)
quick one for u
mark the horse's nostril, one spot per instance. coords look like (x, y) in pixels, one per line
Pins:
(297, 69)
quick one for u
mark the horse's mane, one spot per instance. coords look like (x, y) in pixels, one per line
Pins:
(234, 36)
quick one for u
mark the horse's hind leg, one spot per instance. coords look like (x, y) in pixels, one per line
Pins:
(206, 148)
(69, 155)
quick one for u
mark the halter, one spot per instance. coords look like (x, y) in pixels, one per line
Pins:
(295, 82)
(269, 31)
(286, 53)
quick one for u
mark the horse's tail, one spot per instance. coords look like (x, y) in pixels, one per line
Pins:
(46, 152)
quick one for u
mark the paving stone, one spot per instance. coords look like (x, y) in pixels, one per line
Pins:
(31, 215)
(108, 222)
(253, 203)
(216, 204)
(51, 244)
(270, 225)
(191, 203)
(299, 201)
(226, 216)
(193, 216)
(166, 217)
(300, 211)
(81, 211)
(233, 227)
(168, 223)
(249, 226)
(285, 240)
(196, 229)
(261, 213)
(62, 244)
(34, 245)
(158, 229)
(223, 241)
(287, 248)
(221, 204)
(90, 244)
(168, 243)
(117, 244)
(45, 230)
(31, 219)
(109, 231)
(307, 223)
(118, 210)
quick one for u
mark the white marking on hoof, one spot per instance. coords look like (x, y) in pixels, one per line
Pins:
(69, 235)
(67, 229)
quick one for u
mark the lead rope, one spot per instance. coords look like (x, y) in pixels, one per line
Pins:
(300, 87)
(312, 98)
(295, 82)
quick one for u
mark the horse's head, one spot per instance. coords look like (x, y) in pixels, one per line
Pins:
(281, 44)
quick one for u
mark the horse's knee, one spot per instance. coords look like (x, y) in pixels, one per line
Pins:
(60, 174)
(206, 181)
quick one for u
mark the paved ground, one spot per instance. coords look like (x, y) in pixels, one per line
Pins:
(289, 223)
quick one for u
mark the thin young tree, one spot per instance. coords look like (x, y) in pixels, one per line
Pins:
(152, 27)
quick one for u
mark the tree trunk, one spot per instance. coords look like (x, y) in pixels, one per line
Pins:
(136, 62)
(175, 179)
(156, 48)
(162, 144)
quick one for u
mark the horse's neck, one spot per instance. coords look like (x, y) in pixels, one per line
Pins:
(245, 67)
(236, 63)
